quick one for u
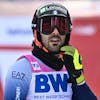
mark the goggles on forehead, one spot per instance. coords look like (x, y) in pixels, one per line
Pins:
(47, 25)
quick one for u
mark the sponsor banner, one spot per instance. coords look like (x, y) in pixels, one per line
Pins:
(86, 26)
(15, 30)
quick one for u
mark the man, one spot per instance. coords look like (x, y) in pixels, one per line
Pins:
(54, 70)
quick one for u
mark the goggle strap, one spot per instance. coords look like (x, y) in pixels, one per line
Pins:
(37, 43)
(36, 40)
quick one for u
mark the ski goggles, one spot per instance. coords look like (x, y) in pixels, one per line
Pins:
(47, 25)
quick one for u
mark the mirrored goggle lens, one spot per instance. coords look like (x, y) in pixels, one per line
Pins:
(47, 24)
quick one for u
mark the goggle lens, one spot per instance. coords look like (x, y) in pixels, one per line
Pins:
(47, 24)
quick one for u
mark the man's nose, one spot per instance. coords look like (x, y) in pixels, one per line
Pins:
(55, 31)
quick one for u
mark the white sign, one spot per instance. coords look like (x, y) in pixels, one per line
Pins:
(15, 30)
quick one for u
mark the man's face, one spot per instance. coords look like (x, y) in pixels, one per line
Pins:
(53, 41)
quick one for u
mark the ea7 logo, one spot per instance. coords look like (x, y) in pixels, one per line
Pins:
(44, 83)
(18, 75)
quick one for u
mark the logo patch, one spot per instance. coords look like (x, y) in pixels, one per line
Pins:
(58, 81)
(35, 66)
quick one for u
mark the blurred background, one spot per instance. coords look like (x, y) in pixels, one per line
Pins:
(16, 35)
